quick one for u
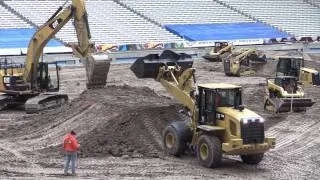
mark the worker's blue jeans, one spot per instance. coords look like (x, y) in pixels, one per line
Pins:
(70, 157)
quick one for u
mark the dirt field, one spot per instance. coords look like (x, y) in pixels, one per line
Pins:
(119, 128)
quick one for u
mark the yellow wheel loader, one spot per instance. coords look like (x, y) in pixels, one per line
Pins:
(237, 63)
(219, 49)
(218, 122)
(37, 86)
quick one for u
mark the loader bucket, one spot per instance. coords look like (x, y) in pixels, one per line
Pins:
(148, 66)
(97, 68)
(297, 104)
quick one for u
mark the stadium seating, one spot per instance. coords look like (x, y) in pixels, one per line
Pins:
(315, 2)
(123, 22)
(9, 20)
(294, 16)
(109, 22)
(185, 11)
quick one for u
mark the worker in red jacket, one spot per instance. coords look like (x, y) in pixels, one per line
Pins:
(70, 146)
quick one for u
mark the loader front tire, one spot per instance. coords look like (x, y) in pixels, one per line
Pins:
(209, 151)
(252, 158)
(172, 143)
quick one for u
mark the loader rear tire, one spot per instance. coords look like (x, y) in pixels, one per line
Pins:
(209, 151)
(173, 144)
(252, 158)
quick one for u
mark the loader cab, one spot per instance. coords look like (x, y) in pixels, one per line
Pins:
(213, 96)
(288, 83)
(289, 66)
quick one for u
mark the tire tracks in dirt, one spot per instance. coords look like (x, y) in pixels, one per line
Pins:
(58, 130)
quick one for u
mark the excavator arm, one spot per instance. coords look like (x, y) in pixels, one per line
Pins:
(237, 63)
(83, 48)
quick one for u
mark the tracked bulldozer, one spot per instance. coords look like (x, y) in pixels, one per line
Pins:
(217, 123)
(238, 62)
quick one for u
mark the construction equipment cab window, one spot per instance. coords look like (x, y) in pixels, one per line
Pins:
(210, 100)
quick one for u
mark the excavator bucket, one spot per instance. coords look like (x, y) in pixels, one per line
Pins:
(292, 104)
(97, 68)
(148, 66)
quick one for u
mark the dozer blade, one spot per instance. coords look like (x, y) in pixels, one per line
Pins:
(294, 104)
(148, 66)
(97, 68)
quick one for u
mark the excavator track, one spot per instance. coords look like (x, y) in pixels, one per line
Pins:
(97, 68)
(45, 101)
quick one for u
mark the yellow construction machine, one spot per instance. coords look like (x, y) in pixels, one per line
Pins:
(219, 49)
(309, 77)
(36, 86)
(294, 66)
(237, 63)
(283, 93)
(218, 122)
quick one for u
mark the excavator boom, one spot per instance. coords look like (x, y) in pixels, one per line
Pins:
(83, 49)
(237, 63)
(35, 90)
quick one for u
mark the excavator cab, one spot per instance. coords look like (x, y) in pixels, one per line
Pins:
(48, 76)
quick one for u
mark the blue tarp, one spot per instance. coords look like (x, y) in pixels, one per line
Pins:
(19, 38)
(225, 31)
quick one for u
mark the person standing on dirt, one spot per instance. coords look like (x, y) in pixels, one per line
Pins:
(70, 146)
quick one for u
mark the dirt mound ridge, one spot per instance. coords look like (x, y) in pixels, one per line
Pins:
(116, 120)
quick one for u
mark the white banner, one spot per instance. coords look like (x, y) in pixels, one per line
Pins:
(194, 44)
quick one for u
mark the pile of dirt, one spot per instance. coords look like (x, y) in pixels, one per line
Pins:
(116, 120)
(135, 132)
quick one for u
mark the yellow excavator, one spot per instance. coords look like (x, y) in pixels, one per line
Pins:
(237, 63)
(36, 85)
(283, 93)
(219, 49)
(219, 123)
